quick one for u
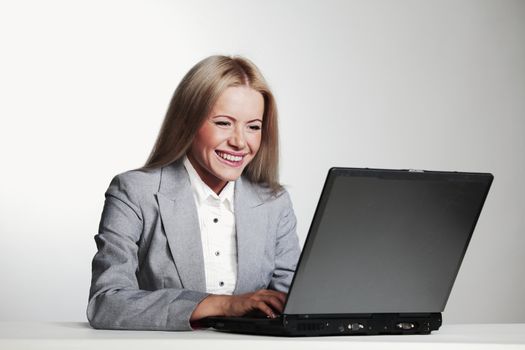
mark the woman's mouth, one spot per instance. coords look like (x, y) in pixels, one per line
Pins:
(230, 159)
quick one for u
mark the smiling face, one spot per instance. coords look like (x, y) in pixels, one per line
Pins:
(229, 138)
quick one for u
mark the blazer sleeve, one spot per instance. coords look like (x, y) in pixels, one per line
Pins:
(287, 250)
(115, 298)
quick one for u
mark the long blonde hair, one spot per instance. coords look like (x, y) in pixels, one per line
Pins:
(192, 102)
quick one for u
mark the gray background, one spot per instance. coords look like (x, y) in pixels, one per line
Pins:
(392, 84)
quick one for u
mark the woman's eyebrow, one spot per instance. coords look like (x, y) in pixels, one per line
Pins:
(235, 119)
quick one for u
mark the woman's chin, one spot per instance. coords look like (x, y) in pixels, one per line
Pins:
(229, 175)
(227, 172)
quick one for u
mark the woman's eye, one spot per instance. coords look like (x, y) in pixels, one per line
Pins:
(255, 127)
(222, 123)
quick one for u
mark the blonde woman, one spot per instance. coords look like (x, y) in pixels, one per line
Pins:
(204, 228)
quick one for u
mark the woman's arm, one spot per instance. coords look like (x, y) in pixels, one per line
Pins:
(115, 300)
(268, 302)
(287, 250)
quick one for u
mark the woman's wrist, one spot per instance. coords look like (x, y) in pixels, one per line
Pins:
(212, 305)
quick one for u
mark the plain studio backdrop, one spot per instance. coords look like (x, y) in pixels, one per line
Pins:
(84, 86)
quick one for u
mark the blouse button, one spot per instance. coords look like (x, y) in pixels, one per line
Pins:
(217, 253)
(221, 283)
(215, 220)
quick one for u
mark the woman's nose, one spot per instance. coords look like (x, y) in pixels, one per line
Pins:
(237, 139)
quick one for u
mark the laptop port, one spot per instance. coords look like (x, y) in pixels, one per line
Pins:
(355, 326)
(406, 326)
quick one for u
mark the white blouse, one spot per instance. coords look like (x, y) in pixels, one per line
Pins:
(218, 235)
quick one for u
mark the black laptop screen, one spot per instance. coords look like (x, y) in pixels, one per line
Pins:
(386, 241)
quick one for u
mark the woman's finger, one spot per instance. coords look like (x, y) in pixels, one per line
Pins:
(261, 305)
(275, 303)
(280, 295)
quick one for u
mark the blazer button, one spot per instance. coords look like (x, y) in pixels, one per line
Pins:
(221, 283)
(215, 220)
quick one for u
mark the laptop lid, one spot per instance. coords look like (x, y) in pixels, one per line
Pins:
(386, 241)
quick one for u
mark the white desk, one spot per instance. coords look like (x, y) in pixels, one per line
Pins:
(70, 335)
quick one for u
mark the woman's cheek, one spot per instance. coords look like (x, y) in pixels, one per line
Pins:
(255, 143)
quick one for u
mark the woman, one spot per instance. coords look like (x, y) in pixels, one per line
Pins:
(204, 228)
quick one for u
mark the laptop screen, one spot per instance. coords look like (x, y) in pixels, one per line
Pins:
(386, 241)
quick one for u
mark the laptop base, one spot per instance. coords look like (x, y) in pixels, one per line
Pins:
(325, 325)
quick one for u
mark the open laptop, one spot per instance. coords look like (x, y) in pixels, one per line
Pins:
(381, 255)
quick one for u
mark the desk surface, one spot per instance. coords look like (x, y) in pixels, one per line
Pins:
(78, 335)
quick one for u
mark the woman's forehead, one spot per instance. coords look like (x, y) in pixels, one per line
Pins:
(240, 102)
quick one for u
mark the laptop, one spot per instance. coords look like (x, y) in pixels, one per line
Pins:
(381, 256)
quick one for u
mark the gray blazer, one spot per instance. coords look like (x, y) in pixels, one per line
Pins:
(148, 272)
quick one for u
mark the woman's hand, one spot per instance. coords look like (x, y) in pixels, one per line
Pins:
(267, 301)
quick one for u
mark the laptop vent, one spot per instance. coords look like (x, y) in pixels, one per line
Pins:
(310, 326)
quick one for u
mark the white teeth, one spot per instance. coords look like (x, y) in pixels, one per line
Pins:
(229, 157)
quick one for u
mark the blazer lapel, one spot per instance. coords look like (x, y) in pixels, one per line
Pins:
(251, 229)
(181, 225)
